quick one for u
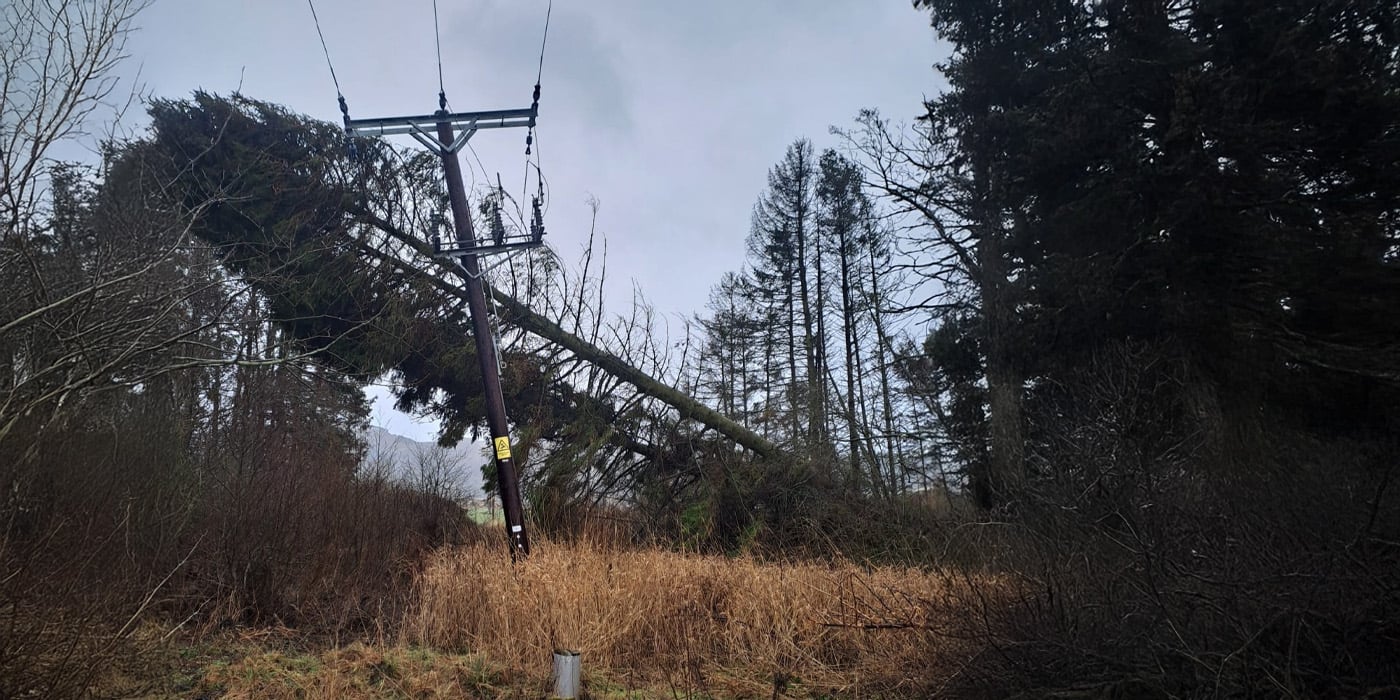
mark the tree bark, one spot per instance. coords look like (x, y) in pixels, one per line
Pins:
(1005, 471)
(525, 318)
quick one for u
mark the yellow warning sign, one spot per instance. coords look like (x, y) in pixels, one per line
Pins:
(502, 448)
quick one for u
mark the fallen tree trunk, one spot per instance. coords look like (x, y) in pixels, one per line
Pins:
(530, 321)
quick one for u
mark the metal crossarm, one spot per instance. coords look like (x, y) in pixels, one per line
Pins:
(445, 248)
(423, 126)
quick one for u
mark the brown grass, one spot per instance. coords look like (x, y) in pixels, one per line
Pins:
(688, 623)
(354, 672)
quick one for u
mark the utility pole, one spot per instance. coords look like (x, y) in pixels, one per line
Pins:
(452, 131)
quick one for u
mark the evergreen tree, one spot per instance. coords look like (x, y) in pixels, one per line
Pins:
(1211, 179)
(780, 245)
(734, 340)
(844, 221)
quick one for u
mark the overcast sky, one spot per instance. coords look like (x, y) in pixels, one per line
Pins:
(669, 113)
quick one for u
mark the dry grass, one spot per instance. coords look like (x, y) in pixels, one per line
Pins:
(688, 623)
(354, 672)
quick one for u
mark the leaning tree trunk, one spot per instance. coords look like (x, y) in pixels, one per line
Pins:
(528, 320)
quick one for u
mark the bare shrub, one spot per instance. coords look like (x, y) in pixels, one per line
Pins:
(297, 539)
(95, 529)
(1172, 549)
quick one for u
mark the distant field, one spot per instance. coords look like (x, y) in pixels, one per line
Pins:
(484, 512)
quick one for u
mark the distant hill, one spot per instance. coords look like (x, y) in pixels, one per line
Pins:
(452, 471)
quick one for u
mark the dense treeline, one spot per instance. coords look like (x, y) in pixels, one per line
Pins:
(1174, 364)
(1210, 181)
(796, 344)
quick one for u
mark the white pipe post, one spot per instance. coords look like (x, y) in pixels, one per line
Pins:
(566, 673)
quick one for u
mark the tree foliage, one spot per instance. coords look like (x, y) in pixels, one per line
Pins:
(1149, 176)
(1165, 236)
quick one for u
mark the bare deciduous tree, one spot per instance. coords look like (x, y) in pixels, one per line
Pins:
(57, 68)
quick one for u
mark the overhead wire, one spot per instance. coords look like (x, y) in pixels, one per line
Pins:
(437, 39)
(539, 75)
(524, 218)
(325, 50)
(531, 142)
(351, 148)
(543, 40)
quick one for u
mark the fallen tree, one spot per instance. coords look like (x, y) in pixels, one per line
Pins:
(525, 318)
(350, 277)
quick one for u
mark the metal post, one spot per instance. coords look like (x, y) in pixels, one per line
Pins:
(566, 674)
(506, 480)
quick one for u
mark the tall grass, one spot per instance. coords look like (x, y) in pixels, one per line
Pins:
(655, 618)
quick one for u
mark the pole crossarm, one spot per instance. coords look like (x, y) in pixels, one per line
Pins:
(422, 127)
(458, 249)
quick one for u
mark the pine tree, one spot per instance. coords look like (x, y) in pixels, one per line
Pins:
(844, 221)
(1207, 179)
(780, 246)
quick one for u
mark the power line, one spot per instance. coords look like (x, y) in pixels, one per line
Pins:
(325, 50)
(530, 136)
(544, 40)
(453, 133)
(437, 37)
(535, 105)
(466, 248)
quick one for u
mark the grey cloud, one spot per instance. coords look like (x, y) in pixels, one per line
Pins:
(583, 66)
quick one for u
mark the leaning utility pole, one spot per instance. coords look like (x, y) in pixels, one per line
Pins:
(453, 130)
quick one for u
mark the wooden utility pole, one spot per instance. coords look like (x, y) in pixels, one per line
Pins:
(453, 130)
